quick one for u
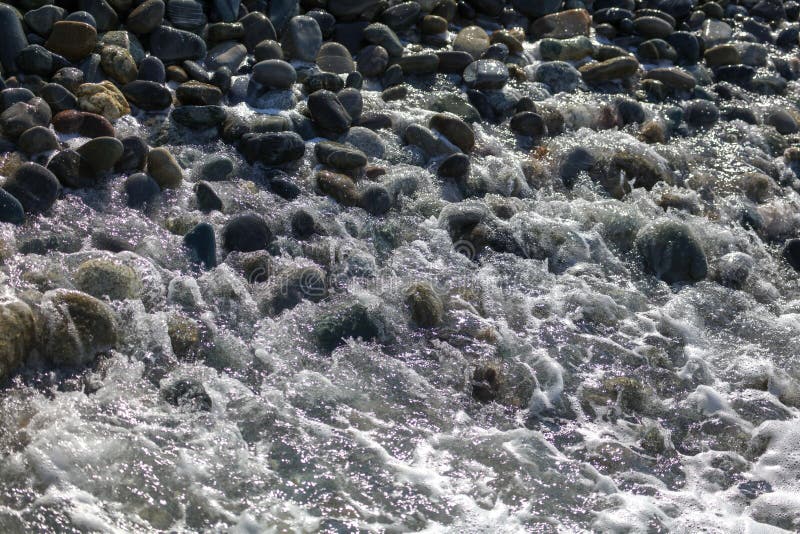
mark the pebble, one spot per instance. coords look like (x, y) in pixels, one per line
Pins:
(276, 148)
(426, 306)
(41, 20)
(257, 28)
(782, 121)
(202, 244)
(536, 8)
(339, 187)
(268, 49)
(229, 55)
(301, 39)
(107, 279)
(207, 198)
(334, 57)
(791, 253)
(199, 117)
(454, 129)
(22, 116)
(455, 166)
(274, 74)
(102, 99)
(453, 61)
(34, 186)
(381, 34)
(198, 94)
(352, 321)
(37, 140)
(671, 252)
(246, 233)
(147, 95)
(528, 123)
(12, 38)
(672, 77)
(375, 199)
(372, 61)
(328, 112)
(215, 169)
(101, 153)
(134, 154)
(141, 190)
(11, 210)
(73, 40)
(473, 40)
(611, 69)
(79, 327)
(562, 25)
(172, 45)
(559, 76)
(146, 17)
(164, 168)
(573, 49)
(188, 394)
(82, 123)
(58, 98)
(485, 74)
(652, 27)
(339, 156)
(701, 114)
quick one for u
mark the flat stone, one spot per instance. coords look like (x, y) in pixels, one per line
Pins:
(274, 148)
(562, 25)
(199, 117)
(229, 54)
(147, 95)
(339, 156)
(673, 77)
(146, 17)
(611, 69)
(83, 123)
(172, 45)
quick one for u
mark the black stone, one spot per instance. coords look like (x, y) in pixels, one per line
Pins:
(141, 190)
(246, 233)
(34, 186)
(202, 245)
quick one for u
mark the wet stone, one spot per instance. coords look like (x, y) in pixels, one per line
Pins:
(671, 252)
(246, 233)
(339, 156)
(485, 74)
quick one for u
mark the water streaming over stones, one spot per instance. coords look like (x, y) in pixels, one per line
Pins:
(356, 266)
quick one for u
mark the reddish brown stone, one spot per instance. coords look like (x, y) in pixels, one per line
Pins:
(73, 40)
(82, 123)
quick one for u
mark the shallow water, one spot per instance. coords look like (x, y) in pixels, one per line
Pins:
(622, 404)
